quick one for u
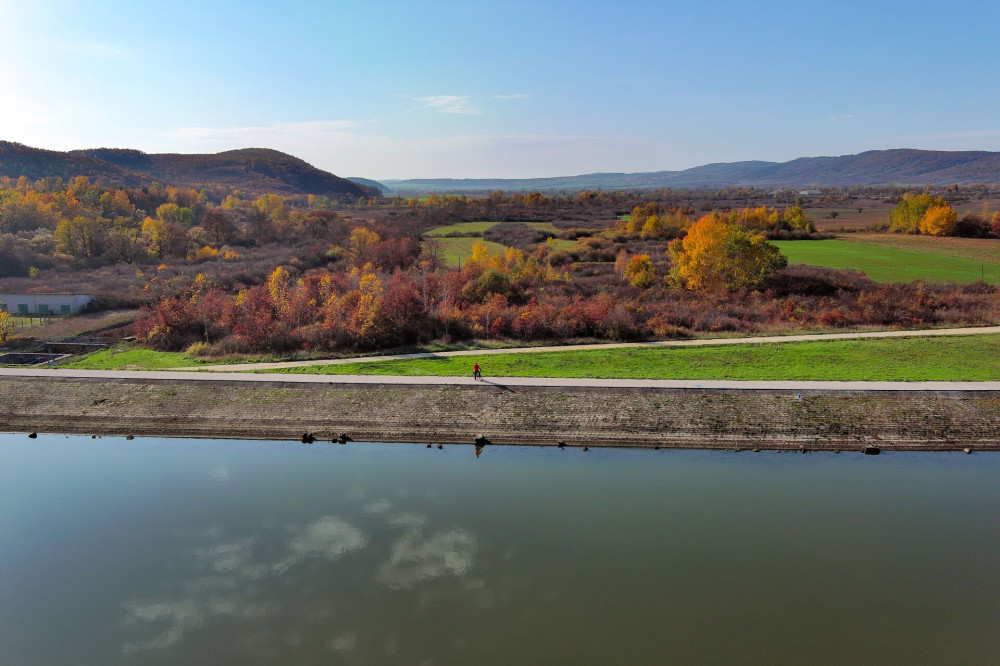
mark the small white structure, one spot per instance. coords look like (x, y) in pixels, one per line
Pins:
(44, 304)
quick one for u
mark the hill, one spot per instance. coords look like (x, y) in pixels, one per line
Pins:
(252, 170)
(875, 167)
(19, 160)
(368, 182)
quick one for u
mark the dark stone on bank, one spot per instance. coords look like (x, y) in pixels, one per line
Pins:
(872, 450)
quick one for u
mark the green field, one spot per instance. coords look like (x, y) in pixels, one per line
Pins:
(455, 251)
(980, 250)
(889, 264)
(461, 228)
(963, 358)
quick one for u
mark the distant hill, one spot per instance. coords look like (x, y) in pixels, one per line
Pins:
(252, 170)
(875, 167)
(368, 182)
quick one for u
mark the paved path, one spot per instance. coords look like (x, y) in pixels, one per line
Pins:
(174, 376)
(243, 367)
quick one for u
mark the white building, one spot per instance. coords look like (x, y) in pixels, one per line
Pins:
(44, 304)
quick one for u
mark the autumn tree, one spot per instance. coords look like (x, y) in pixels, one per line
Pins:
(909, 213)
(716, 255)
(81, 236)
(640, 271)
(172, 213)
(362, 246)
(124, 240)
(939, 221)
(165, 239)
(218, 226)
(6, 325)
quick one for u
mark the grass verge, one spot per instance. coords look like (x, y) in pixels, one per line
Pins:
(960, 358)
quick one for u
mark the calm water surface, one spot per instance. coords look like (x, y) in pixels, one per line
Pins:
(158, 551)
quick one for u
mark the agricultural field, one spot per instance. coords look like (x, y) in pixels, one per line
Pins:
(456, 250)
(886, 359)
(983, 250)
(461, 228)
(885, 263)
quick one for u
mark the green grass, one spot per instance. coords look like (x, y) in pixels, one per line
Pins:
(461, 228)
(957, 358)
(132, 359)
(456, 250)
(888, 264)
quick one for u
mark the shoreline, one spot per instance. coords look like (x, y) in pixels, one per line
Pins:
(689, 418)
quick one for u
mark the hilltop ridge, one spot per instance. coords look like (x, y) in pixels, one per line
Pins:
(874, 167)
(250, 170)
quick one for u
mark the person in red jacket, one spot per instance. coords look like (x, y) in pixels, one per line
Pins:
(476, 372)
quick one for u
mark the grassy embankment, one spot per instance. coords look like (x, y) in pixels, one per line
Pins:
(132, 359)
(964, 358)
(892, 261)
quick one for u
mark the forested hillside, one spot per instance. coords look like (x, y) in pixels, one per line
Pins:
(252, 171)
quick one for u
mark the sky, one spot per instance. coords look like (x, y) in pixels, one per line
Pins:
(394, 89)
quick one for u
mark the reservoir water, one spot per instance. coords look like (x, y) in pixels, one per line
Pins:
(158, 551)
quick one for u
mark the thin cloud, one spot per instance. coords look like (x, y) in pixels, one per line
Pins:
(449, 104)
(518, 96)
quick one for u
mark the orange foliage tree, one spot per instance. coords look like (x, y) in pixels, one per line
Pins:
(717, 254)
(939, 221)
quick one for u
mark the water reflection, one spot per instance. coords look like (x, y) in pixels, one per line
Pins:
(249, 583)
(190, 552)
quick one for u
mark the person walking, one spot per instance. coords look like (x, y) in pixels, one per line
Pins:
(477, 374)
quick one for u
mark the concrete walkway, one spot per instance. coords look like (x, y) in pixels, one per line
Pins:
(491, 383)
(248, 367)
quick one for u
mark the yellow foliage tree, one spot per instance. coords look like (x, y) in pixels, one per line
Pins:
(717, 254)
(6, 325)
(653, 227)
(362, 244)
(939, 221)
(909, 214)
(278, 285)
(640, 271)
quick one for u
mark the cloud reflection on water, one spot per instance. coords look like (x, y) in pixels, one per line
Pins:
(283, 577)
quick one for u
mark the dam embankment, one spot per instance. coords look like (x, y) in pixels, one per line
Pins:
(271, 408)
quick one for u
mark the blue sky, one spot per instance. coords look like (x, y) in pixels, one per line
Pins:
(514, 89)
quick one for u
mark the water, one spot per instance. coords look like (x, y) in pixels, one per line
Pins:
(158, 551)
